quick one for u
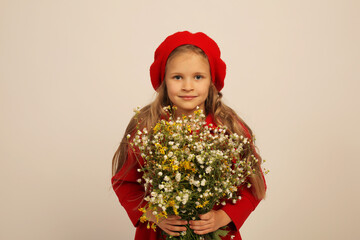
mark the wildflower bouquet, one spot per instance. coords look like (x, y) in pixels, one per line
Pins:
(189, 167)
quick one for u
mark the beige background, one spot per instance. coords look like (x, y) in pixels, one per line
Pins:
(72, 71)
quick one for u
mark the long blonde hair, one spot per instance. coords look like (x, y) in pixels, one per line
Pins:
(223, 115)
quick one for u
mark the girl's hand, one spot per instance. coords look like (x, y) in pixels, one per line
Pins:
(210, 222)
(172, 225)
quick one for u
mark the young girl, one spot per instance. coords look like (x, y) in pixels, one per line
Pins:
(187, 72)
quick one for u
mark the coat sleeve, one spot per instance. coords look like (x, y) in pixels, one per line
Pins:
(128, 190)
(241, 210)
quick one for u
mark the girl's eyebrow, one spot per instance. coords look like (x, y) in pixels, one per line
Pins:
(196, 73)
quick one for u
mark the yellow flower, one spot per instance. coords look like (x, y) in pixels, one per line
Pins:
(175, 167)
(161, 148)
(175, 211)
(143, 219)
(197, 112)
(163, 214)
(171, 203)
(153, 227)
(142, 210)
(186, 165)
(202, 205)
(188, 128)
(156, 128)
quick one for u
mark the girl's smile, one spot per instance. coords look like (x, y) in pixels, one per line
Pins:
(187, 79)
(188, 97)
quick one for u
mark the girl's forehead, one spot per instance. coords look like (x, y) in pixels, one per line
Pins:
(188, 64)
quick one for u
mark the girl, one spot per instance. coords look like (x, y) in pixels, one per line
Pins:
(187, 72)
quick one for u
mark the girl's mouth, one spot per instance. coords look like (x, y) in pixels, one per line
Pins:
(187, 98)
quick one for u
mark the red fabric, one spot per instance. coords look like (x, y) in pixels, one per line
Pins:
(131, 193)
(201, 40)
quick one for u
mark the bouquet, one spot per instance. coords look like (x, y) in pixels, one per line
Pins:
(189, 167)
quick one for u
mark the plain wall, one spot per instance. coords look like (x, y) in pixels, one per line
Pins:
(71, 73)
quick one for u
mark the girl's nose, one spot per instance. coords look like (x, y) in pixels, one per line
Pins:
(187, 85)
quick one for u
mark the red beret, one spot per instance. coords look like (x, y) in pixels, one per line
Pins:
(201, 40)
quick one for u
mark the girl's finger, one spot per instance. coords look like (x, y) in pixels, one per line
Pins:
(198, 222)
(171, 233)
(176, 228)
(175, 221)
(206, 216)
(202, 226)
(178, 222)
(206, 220)
(172, 230)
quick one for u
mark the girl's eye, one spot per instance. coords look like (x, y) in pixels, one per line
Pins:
(177, 77)
(198, 77)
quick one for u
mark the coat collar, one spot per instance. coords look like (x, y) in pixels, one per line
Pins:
(210, 120)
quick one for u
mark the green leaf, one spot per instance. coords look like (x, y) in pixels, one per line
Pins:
(217, 234)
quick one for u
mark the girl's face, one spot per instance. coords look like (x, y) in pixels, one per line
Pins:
(187, 79)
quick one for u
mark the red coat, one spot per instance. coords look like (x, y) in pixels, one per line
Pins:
(131, 194)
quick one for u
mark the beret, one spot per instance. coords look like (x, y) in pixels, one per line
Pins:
(199, 39)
